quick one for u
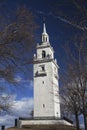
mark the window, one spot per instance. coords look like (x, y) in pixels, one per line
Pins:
(46, 39)
(43, 68)
(43, 82)
(43, 105)
(43, 54)
(57, 113)
(43, 39)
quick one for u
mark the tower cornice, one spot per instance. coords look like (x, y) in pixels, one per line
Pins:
(40, 46)
(45, 60)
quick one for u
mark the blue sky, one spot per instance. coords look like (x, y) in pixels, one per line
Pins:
(60, 31)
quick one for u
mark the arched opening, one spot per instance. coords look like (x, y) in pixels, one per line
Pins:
(43, 54)
(43, 39)
(46, 39)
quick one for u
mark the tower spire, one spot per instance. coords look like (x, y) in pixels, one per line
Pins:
(44, 29)
(45, 36)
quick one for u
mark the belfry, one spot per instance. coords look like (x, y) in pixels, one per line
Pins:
(46, 86)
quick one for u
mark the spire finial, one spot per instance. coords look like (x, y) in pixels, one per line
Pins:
(44, 26)
(44, 18)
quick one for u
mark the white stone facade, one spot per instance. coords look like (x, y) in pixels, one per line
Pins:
(46, 87)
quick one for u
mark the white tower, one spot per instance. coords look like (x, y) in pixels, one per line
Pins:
(46, 87)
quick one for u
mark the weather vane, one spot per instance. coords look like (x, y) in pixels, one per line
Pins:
(44, 19)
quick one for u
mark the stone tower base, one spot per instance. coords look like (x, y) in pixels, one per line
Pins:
(24, 122)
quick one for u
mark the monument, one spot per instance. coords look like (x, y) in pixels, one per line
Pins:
(46, 86)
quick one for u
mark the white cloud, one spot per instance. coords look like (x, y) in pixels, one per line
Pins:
(21, 108)
(7, 120)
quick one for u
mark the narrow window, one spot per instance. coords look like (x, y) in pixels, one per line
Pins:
(43, 105)
(43, 68)
(43, 54)
(57, 113)
(46, 39)
(43, 82)
(43, 39)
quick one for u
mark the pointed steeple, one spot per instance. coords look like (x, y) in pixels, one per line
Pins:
(44, 29)
(45, 36)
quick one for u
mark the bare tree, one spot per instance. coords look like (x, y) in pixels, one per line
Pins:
(78, 16)
(6, 103)
(75, 81)
(16, 46)
(70, 101)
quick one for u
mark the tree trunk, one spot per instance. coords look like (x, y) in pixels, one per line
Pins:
(77, 120)
(85, 121)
